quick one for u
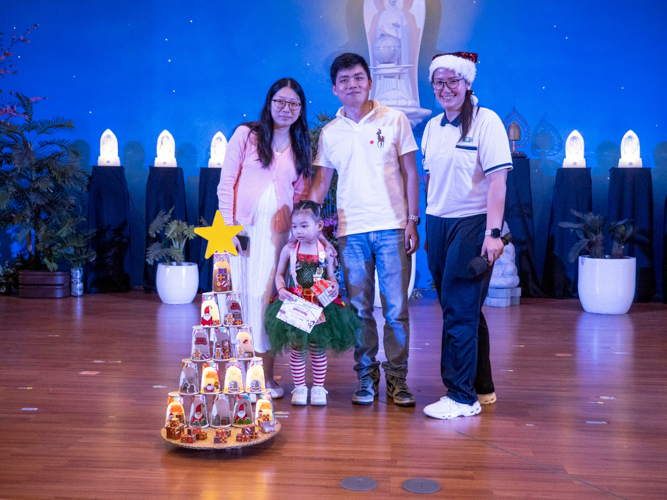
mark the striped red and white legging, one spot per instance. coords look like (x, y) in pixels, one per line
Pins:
(318, 358)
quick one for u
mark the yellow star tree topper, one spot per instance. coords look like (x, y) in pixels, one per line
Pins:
(219, 236)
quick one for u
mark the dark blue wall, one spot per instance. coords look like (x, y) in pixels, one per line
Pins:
(198, 67)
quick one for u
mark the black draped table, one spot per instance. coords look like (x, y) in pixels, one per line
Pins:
(572, 191)
(519, 218)
(631, 197)
(108, 209)
(209, 178)
(165, 190)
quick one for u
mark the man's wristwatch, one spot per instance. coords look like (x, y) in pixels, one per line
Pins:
(415, 218)
(494, 233)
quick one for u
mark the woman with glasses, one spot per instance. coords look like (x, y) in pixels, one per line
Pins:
(266, 170)
(466, 159)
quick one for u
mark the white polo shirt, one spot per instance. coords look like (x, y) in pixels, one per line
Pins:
(371, 192)
(458, 169)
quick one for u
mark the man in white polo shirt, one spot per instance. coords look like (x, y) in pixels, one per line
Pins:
(466, 157)
(373, 149)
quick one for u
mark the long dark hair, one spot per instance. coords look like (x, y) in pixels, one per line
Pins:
(299, 135)
(466, 114)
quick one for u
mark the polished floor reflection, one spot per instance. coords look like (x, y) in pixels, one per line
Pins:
(580, 411)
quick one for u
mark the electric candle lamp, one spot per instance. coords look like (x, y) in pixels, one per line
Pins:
(574, 151)
(630, 157)
(218, 149)
(108, 150)
(166, 150)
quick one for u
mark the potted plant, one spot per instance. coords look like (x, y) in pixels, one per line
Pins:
(606, 282)
(41, 193)
(176, 281)
(72, 245)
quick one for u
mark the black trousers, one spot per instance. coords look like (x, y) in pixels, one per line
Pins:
(464, 364)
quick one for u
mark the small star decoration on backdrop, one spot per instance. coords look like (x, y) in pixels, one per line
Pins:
(219, 236)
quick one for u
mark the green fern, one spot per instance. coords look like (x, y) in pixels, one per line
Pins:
(171, 236)
(41, 189)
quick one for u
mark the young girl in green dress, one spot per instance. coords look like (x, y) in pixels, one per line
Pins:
(308, 263)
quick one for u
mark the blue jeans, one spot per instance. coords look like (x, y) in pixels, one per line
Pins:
(360, 255)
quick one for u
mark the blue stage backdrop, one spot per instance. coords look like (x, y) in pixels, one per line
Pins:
(194, 68)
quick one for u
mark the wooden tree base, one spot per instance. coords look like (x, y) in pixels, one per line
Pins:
(44, 284)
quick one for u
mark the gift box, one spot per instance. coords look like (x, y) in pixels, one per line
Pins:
(322, 290)
(220, 437)
(222, 273)
(268, 427)
(174, 433)
(202, 436)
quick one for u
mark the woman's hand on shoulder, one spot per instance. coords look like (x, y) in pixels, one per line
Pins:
(328, 247)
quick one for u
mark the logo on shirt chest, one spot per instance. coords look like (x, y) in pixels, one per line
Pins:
(380, 139)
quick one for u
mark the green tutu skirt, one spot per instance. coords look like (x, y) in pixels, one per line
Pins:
(338, 333)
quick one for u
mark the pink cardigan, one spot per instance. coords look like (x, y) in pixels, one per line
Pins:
(243, 180)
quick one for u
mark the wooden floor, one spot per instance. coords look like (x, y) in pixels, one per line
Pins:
(581, 411)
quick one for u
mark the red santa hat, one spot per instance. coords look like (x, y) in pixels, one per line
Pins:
(207, 310)
(463, 63)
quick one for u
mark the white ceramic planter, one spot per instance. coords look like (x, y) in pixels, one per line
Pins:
(607, 286)
(177, 284)
(377, 301)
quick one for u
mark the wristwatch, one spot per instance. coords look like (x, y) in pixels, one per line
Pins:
(415, 218)
(494, 233)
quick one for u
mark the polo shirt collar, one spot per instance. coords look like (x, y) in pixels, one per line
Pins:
(455, 122)
(376, 106)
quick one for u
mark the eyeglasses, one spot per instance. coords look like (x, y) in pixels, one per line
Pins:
(293, 106)
(451, 83)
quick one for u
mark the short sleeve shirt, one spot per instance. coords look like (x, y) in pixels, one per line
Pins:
(371, 193)
(458, 168)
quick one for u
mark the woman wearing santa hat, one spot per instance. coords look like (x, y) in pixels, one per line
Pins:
(466, 159)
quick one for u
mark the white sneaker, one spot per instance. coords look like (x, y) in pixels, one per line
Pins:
(300, 395)
(447, 408)
(318, 396)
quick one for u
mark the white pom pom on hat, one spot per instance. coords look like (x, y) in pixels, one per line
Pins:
(463, 63)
